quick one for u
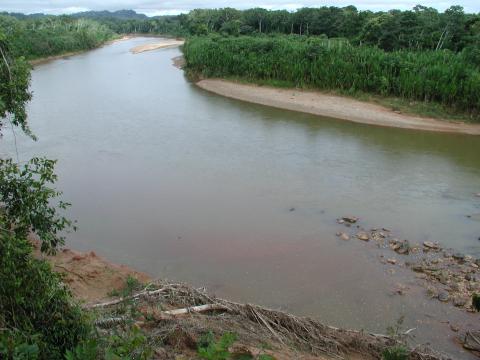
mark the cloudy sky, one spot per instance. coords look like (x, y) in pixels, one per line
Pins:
(159, 7)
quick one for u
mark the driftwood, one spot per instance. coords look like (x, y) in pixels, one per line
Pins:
(301, 333)
(472, 340)
(145, 293)
(194, 309)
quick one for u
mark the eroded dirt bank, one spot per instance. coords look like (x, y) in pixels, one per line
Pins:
(333, 106)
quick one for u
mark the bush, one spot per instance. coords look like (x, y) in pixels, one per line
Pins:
(395, 353)
(35, 302)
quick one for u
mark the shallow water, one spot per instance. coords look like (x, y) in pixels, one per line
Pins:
(191, 186)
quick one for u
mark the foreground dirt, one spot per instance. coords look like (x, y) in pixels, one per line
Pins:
(161, 44)
(90, 277)
(338, 107)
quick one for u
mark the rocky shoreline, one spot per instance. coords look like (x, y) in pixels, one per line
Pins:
(447, 276)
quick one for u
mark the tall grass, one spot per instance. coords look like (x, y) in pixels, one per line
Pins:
(431, 76)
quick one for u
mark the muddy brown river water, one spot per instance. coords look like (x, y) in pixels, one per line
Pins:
(242, 198)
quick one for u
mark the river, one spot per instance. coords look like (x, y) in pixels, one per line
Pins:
(241, 198)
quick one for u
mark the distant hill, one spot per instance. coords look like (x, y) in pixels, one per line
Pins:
(120, 14)
(23, 16)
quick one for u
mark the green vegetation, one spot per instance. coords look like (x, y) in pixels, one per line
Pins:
(38, 318)
(47, 36)
(395, 353)
(429, 76)
(131, 285)
(209, 349)
(476, 301)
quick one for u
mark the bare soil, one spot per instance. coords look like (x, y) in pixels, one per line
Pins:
(333, 106)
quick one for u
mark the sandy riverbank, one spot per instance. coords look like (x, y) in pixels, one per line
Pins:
(333, 106)
(162, 44)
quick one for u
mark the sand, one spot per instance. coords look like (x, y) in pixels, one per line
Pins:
(162, 44)
(332, 106)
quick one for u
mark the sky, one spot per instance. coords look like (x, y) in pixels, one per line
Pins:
(159, 7)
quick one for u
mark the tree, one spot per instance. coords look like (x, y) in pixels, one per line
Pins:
(38, 318)
(14, 82)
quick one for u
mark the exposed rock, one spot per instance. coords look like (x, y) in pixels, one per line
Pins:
(404, 248)
(477, 262)
(363, 236)
(400, 289)
(392, 261)
(340, 221)
(459, 256)
(430, 245)
(460, 301)
(343, 236)
(432, 291)
(350, 219)
(443, 296)
(418, 268)
(454, 328)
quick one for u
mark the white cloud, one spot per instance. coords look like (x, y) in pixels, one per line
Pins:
(157, 7)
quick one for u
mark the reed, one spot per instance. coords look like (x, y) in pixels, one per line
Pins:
(431, 76)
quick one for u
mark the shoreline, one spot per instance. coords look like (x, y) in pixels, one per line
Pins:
(332, 106)
(185, 314)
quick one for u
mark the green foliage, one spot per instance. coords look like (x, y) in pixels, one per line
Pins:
(38, 318)
(265, 357)
(14, 346)
(430, 76)
(209, 349)
(87, 350)
(47, 36)
(27, 202)
(395, 353)
(14, 83)
(476, 301)
(34, 300)
(130, 344)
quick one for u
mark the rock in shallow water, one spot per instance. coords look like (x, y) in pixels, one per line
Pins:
(430, 245)
(350, 219)
(343, 236)
(443, 296)
(363, 236)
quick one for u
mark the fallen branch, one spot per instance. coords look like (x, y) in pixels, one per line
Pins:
(194, 309)
(145, 293)
(70, 271)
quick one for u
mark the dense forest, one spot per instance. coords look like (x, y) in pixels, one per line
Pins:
(422, 28)
(43, 36)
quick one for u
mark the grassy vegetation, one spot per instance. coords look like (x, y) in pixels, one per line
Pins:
(441, 81)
